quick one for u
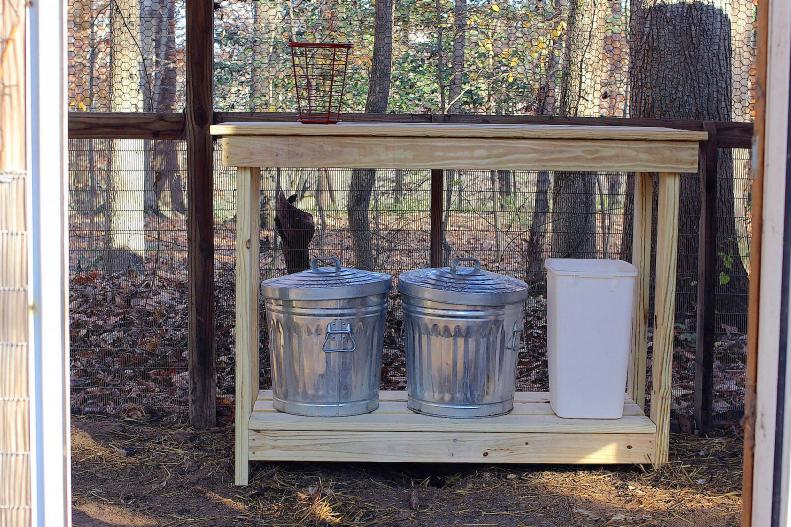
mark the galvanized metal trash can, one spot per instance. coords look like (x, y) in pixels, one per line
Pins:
(463, 330)
(326, 332)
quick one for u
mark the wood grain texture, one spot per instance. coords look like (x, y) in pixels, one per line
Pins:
(394, 416)
(437, 188)
(200, 214)
(460, 153)
(664, 311)
(729, 134)
(126, 125)
(707, 288)
(453, 447)
(247, 278)
(458, 130)
(756, 245)
(641, 258)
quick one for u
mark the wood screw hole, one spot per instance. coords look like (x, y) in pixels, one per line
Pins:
(629, 447)
(485, 454)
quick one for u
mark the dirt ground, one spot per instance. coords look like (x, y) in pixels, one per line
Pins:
(143, 473)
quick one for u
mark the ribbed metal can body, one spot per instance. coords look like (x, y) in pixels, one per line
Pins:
(461, 360)
(326, 333)
(326, 355)
(462, 330)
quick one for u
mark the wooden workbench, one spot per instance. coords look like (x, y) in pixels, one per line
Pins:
(532, 433)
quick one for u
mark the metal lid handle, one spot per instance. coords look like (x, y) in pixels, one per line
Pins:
(454, 265)
(314, 262)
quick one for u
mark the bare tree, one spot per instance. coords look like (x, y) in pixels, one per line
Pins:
(573, 193)
(362, 181)
(158, 77)
(457, 60)
(126, 239)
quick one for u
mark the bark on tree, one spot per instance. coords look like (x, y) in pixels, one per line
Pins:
(158, 84)
(126, 239)
(457, 61)
(681, 68)
(362, 181)
(573, 193)
(546, 103)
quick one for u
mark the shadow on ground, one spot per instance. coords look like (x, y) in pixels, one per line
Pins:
(131, 473)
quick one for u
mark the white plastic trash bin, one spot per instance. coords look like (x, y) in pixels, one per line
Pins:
(589, 324)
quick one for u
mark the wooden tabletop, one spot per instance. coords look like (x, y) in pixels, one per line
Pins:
(458, 130)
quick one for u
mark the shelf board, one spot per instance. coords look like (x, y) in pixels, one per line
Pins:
(393, 433)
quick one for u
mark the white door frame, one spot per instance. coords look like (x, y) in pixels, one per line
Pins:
(48, 264)
(770, 499)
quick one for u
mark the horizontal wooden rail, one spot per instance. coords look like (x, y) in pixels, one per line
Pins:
(96, 125)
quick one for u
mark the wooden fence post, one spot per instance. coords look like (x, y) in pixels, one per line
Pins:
(437, 182)
(200, 218)
(707, 281)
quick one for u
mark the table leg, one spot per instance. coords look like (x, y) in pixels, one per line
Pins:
(248, 192)
(664, 311)
(641, 258)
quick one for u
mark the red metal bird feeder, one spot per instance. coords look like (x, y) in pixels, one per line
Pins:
(319, 77)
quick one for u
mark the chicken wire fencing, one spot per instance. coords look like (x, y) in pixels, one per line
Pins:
(129, 315)
(690, 60)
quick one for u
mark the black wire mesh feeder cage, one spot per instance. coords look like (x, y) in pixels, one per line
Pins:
(319, 78)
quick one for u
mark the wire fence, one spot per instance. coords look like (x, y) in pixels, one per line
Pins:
(580, 57)
(129, 327)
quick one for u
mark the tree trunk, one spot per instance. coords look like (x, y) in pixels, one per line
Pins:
(398, 187)
(126, 240)
(440, 56)
(457, 63)
(573, 193)
(574, 215)
(537, 234)
(547, 102)
(681, 68)
(362, 181)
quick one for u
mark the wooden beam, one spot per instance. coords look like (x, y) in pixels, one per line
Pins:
(707, 286)
(200, 217)
(437, 184)
(664, 311)
(756, 246)
(248, 194)
(641, 258)
(85, 125)
(460, 153)
(731, 135)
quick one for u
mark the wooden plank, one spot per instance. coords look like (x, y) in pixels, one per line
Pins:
(453, 447)
(707, 288)
(756, 246)
(392, 407)
(123, 125)
(437, 184)
(394, 416)
(641, 258)
(730, 134)
(248, 194)
(457, 130)
(16, 348)
(200, 214)
(401, 395)
(461, 153)
(664, 311)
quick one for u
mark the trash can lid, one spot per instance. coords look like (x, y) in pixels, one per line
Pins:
(463, 285)
(327, 282)
(590, 268)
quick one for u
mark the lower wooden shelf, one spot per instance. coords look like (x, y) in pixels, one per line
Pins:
(532, 433)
